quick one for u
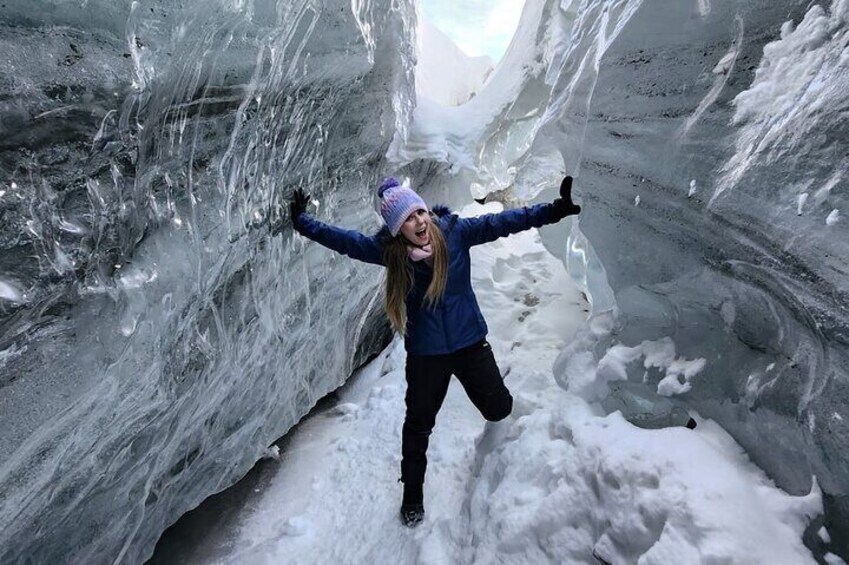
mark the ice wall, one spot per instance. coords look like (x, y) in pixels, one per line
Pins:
(713, 179)
(154, 336)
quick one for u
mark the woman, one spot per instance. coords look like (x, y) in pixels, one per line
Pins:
(429, 300)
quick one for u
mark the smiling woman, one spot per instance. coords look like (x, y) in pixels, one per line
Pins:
(415, 228)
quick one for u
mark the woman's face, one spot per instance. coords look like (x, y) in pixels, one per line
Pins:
(415, 226)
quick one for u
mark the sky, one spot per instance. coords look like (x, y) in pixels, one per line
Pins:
(478, 27)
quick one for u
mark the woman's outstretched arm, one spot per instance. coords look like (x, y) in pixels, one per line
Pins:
(347, 242)
(489, 227)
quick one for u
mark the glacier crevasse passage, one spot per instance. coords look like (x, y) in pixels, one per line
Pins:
(155, 337)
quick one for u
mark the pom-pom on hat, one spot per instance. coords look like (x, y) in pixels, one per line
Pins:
(397, 202)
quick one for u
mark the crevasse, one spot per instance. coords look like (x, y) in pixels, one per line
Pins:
(155, 337)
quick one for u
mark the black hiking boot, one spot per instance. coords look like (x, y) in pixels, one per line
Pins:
(412, 515)
(412, 505)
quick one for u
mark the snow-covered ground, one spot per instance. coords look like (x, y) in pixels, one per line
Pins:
(555, 483)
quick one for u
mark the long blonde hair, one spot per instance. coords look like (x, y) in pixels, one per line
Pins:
(399, 276)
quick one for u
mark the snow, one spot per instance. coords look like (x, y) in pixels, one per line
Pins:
(800, 202)
(823, 534)
(832, 217)
(559, 481)
(660, 354)
(444, 74)
(9, 292)
(452, 134)
(832, 559)
(801, 74)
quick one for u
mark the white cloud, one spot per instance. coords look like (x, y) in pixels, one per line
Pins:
(478, 27)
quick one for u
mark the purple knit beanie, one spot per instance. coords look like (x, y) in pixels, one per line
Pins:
(397, 203)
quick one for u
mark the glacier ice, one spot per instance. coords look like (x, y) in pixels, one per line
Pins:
(734, 274)
(744, 270)
(155, 339)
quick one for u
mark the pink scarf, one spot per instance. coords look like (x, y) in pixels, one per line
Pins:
(419, 253)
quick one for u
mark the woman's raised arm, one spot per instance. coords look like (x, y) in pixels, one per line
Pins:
(347, 242)
(489, 227)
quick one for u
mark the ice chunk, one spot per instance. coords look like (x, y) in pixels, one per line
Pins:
(800, 202)
(643, 407)
(272, 452)
(832, 217)
(10, 292)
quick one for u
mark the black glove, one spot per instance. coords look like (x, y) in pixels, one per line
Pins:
(298, 205)
(563, 206)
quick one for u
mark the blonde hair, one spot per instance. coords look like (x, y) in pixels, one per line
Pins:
(399, 276)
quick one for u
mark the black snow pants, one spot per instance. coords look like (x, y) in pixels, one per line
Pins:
(427, 383)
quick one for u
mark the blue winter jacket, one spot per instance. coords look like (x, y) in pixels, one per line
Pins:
(456, 321)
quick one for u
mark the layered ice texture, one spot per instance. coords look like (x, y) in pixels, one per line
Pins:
(155, 337)
(727, 121)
